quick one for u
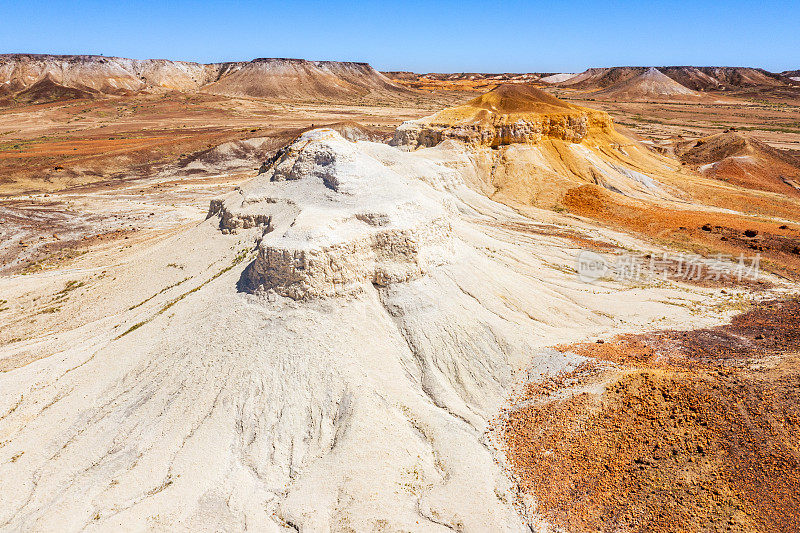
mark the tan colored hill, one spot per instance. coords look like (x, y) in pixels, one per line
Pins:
(175, 75)
(401, 75)
(268, 78)
(510, 113)
(600, 78)
(650, 85)
(742, 160)
(301, 79)
(109, 75)
(530, 148)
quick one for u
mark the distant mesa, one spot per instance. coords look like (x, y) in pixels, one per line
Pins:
(331, 81)
(270, 78)
(723, 78)
(403, 75)
(105, 75)
(600, 78)
(302, 79)
(517, 77)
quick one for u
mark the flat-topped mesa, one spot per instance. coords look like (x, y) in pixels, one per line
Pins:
(278, 78)
(511, 113)
(338, 216)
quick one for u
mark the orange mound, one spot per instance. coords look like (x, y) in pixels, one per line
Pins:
(510, 104)
(517, 98)
(736, 158)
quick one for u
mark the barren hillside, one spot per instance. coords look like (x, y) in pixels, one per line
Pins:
(737, 158)
(650, 85)
(298, 79)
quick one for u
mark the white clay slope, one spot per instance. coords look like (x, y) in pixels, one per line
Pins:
(340, 378)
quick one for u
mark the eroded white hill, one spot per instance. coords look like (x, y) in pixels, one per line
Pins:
(327, 358)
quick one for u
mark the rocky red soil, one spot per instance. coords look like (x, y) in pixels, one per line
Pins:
(670, 431)
(708, 234)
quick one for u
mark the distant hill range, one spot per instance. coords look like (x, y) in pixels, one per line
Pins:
(700, 79)
(694, 78)
(42, 78)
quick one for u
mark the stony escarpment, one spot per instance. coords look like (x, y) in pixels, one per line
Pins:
(506, 115)
(380, 258)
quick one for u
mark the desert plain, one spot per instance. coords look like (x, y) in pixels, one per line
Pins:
(300, 295)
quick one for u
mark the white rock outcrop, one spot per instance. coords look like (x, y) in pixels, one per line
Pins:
(336, 217)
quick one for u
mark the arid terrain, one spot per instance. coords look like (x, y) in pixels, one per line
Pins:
(290, 295)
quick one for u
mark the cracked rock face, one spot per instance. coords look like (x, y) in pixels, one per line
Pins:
(337, 217)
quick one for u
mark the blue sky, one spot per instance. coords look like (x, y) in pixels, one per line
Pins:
(444, 36)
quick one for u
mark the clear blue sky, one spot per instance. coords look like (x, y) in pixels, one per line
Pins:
(444, 36)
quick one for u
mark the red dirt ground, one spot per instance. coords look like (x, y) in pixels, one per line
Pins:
(690, 431)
